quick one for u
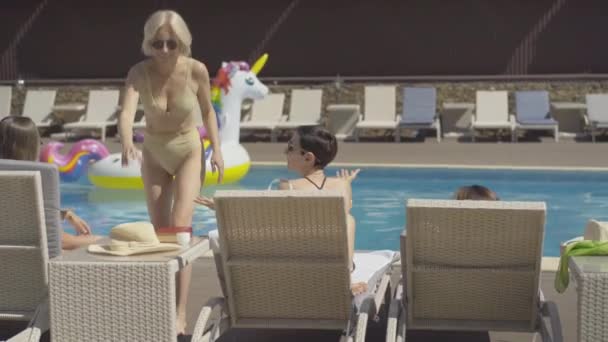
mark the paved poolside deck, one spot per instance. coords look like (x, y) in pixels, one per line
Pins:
(565, 154)
(205, 285)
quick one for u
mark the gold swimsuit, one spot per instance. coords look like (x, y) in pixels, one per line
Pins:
(170, 145)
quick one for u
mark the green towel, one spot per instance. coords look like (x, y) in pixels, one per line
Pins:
(585, 247)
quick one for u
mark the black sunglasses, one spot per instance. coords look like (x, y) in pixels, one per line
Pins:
(159, 43)
(290, 148)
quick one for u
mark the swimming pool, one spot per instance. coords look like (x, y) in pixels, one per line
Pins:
(572, 198)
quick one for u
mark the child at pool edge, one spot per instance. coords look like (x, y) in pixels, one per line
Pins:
(19, 140)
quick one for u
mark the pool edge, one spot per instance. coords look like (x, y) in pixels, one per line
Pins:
(451, 166)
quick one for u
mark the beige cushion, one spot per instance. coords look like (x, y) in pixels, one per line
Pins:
(596, 230)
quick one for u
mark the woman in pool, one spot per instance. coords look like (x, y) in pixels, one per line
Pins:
(308, 152)
(19, 140)
(171, 85)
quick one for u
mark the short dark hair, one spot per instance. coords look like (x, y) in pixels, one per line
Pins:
(19, 138)
(476, 192)
(320, 142)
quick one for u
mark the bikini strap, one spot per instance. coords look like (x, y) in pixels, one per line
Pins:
(189, 72)
(315, 184)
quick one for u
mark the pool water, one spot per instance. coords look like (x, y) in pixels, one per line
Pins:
(379, 194)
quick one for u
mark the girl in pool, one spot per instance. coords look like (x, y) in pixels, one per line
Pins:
(171, 85)
(308, 152)
(475, 192)
(19, 140)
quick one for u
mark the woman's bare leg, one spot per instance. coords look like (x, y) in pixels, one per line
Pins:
(187, 187)
(158, 185)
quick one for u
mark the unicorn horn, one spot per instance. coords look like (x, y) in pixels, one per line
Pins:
(259, 64)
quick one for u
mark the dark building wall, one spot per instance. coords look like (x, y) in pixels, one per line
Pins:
(101, 39)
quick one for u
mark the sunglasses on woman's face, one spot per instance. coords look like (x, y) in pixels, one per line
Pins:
(290, 148)
(158, 44)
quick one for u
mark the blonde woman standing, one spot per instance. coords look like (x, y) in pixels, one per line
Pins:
(170, 85)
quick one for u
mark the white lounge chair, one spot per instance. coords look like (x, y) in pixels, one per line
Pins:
(597, 114)
(101, 112)
(379, 110)
(23, 253)
(305, 109)
(6, 95)
(534, 113)
(472, 266)
(285, 264)
(419, 111)
(49, 174)
(492, 112)
(342, 119)
(265, 114)
(38, 106)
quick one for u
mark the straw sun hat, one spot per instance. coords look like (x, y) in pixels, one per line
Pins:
(133, 238)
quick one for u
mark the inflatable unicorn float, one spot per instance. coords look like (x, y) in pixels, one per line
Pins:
(234, 82)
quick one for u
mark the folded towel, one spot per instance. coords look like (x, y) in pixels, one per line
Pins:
(580, 248)
(596, 230)
(370, 266)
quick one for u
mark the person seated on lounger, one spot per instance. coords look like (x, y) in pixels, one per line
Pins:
(19, 140)
(475, 192)
(308, 152)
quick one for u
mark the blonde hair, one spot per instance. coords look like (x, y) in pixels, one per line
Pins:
(177, 24)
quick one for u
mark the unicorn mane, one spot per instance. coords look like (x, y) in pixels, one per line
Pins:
(222, 82)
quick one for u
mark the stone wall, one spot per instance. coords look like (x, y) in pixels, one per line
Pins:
(352, 93)
(560, 91)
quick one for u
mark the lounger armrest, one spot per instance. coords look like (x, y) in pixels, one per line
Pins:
(576, 239)
(395, 325)
(370, 306)
(37, 326)
(194, 253)
(549, 310)
(203, 317)
(586, 119)
(381, 293)
(563, 245)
